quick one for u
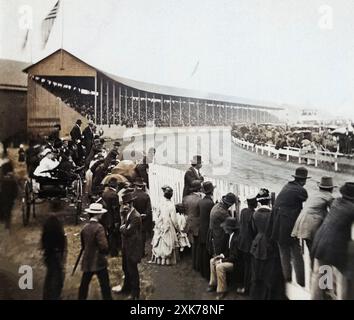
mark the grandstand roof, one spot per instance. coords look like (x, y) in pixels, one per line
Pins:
(161, 89)
(11, 75)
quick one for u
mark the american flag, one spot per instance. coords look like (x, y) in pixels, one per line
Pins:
(48, 23)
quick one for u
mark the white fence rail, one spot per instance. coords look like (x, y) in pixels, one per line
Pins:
(162, 175)
(314, 158)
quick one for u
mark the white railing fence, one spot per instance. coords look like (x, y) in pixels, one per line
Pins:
(313, 158)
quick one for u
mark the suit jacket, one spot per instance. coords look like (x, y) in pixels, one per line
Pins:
(191, 207)
(111, 202)
(75, 133)
(131, 237)
(142, 204)
(88, 137)
(331, 241)
(189, 177)
(287, 208)
(95, 245)
(205, 206)
(231, 253)
(217, 240)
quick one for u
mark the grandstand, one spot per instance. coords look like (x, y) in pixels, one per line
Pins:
(62, 87)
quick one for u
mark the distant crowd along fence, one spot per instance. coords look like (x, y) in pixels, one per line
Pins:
(160, 175)
(311, 158)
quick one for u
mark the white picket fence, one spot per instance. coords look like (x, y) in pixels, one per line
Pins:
(160, 175)
(314, 158)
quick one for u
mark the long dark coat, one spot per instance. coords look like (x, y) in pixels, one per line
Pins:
(189, 177)
(95, 245)
(217, 238)
(142, 204)
(131, 237)
(331, 241)
(205, 206)
(287, 208)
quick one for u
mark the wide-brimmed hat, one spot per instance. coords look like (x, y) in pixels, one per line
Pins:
(230, 224)
(347, 190)
(96, 208)
(252, 201)
(263, 194)
(326, 183)
(195, 185)
(229, 199)
(128, 197)
(196, 159)
(117, 144)
(208, 187)
(301, 173)
(167, 190)
(139, 182)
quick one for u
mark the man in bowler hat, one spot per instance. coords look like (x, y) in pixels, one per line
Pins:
(287, 208)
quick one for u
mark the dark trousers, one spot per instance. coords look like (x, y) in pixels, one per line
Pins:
(204, 261)
(103, 279)
(195, 253)
(292, 254)
(243, 271)
(54, 280)
(5, 216)
(143, 240)
(131, 273)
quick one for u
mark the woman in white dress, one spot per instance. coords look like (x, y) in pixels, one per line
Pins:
(165, 239)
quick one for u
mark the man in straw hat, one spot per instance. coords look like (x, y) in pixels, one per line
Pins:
(314, 212)
(131, 247)
(330, 246)
(192, 174)
(95, 248)
(224, 262)
(287, 208)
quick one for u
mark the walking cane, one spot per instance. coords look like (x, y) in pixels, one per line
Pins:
(77, 261)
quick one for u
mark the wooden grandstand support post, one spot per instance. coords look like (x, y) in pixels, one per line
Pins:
(146, 108)
(213, 112)
(162, 118)
(107, 102)
(198, 113)
(132, 97)
(120, 104)
(205, 113)
(126, 104)
(114, 102)
(180, 110)
(170, 111)
(101, 101)
(95, 100)
(139, 105)
(189, 111)
(153, 108)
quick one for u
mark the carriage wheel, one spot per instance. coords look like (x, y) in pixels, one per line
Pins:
(26, 203)
(78, 199)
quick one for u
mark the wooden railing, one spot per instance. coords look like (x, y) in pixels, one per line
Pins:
(310, 158)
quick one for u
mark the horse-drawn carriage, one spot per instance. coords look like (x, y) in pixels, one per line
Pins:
(37, 191)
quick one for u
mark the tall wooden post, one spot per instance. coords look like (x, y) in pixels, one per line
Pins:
(114, 102)
(146, 108)
(120, 105)
(96, 99)
(170, 111)
(101, 101)
(107, 102)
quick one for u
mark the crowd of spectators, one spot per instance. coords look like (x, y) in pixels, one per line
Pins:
(309, 140)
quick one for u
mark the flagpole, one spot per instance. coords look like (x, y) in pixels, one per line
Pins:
(62, 34)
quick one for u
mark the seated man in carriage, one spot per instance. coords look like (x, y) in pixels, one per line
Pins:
(53, 171)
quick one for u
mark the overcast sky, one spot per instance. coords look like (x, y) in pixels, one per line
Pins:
(293, 52)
